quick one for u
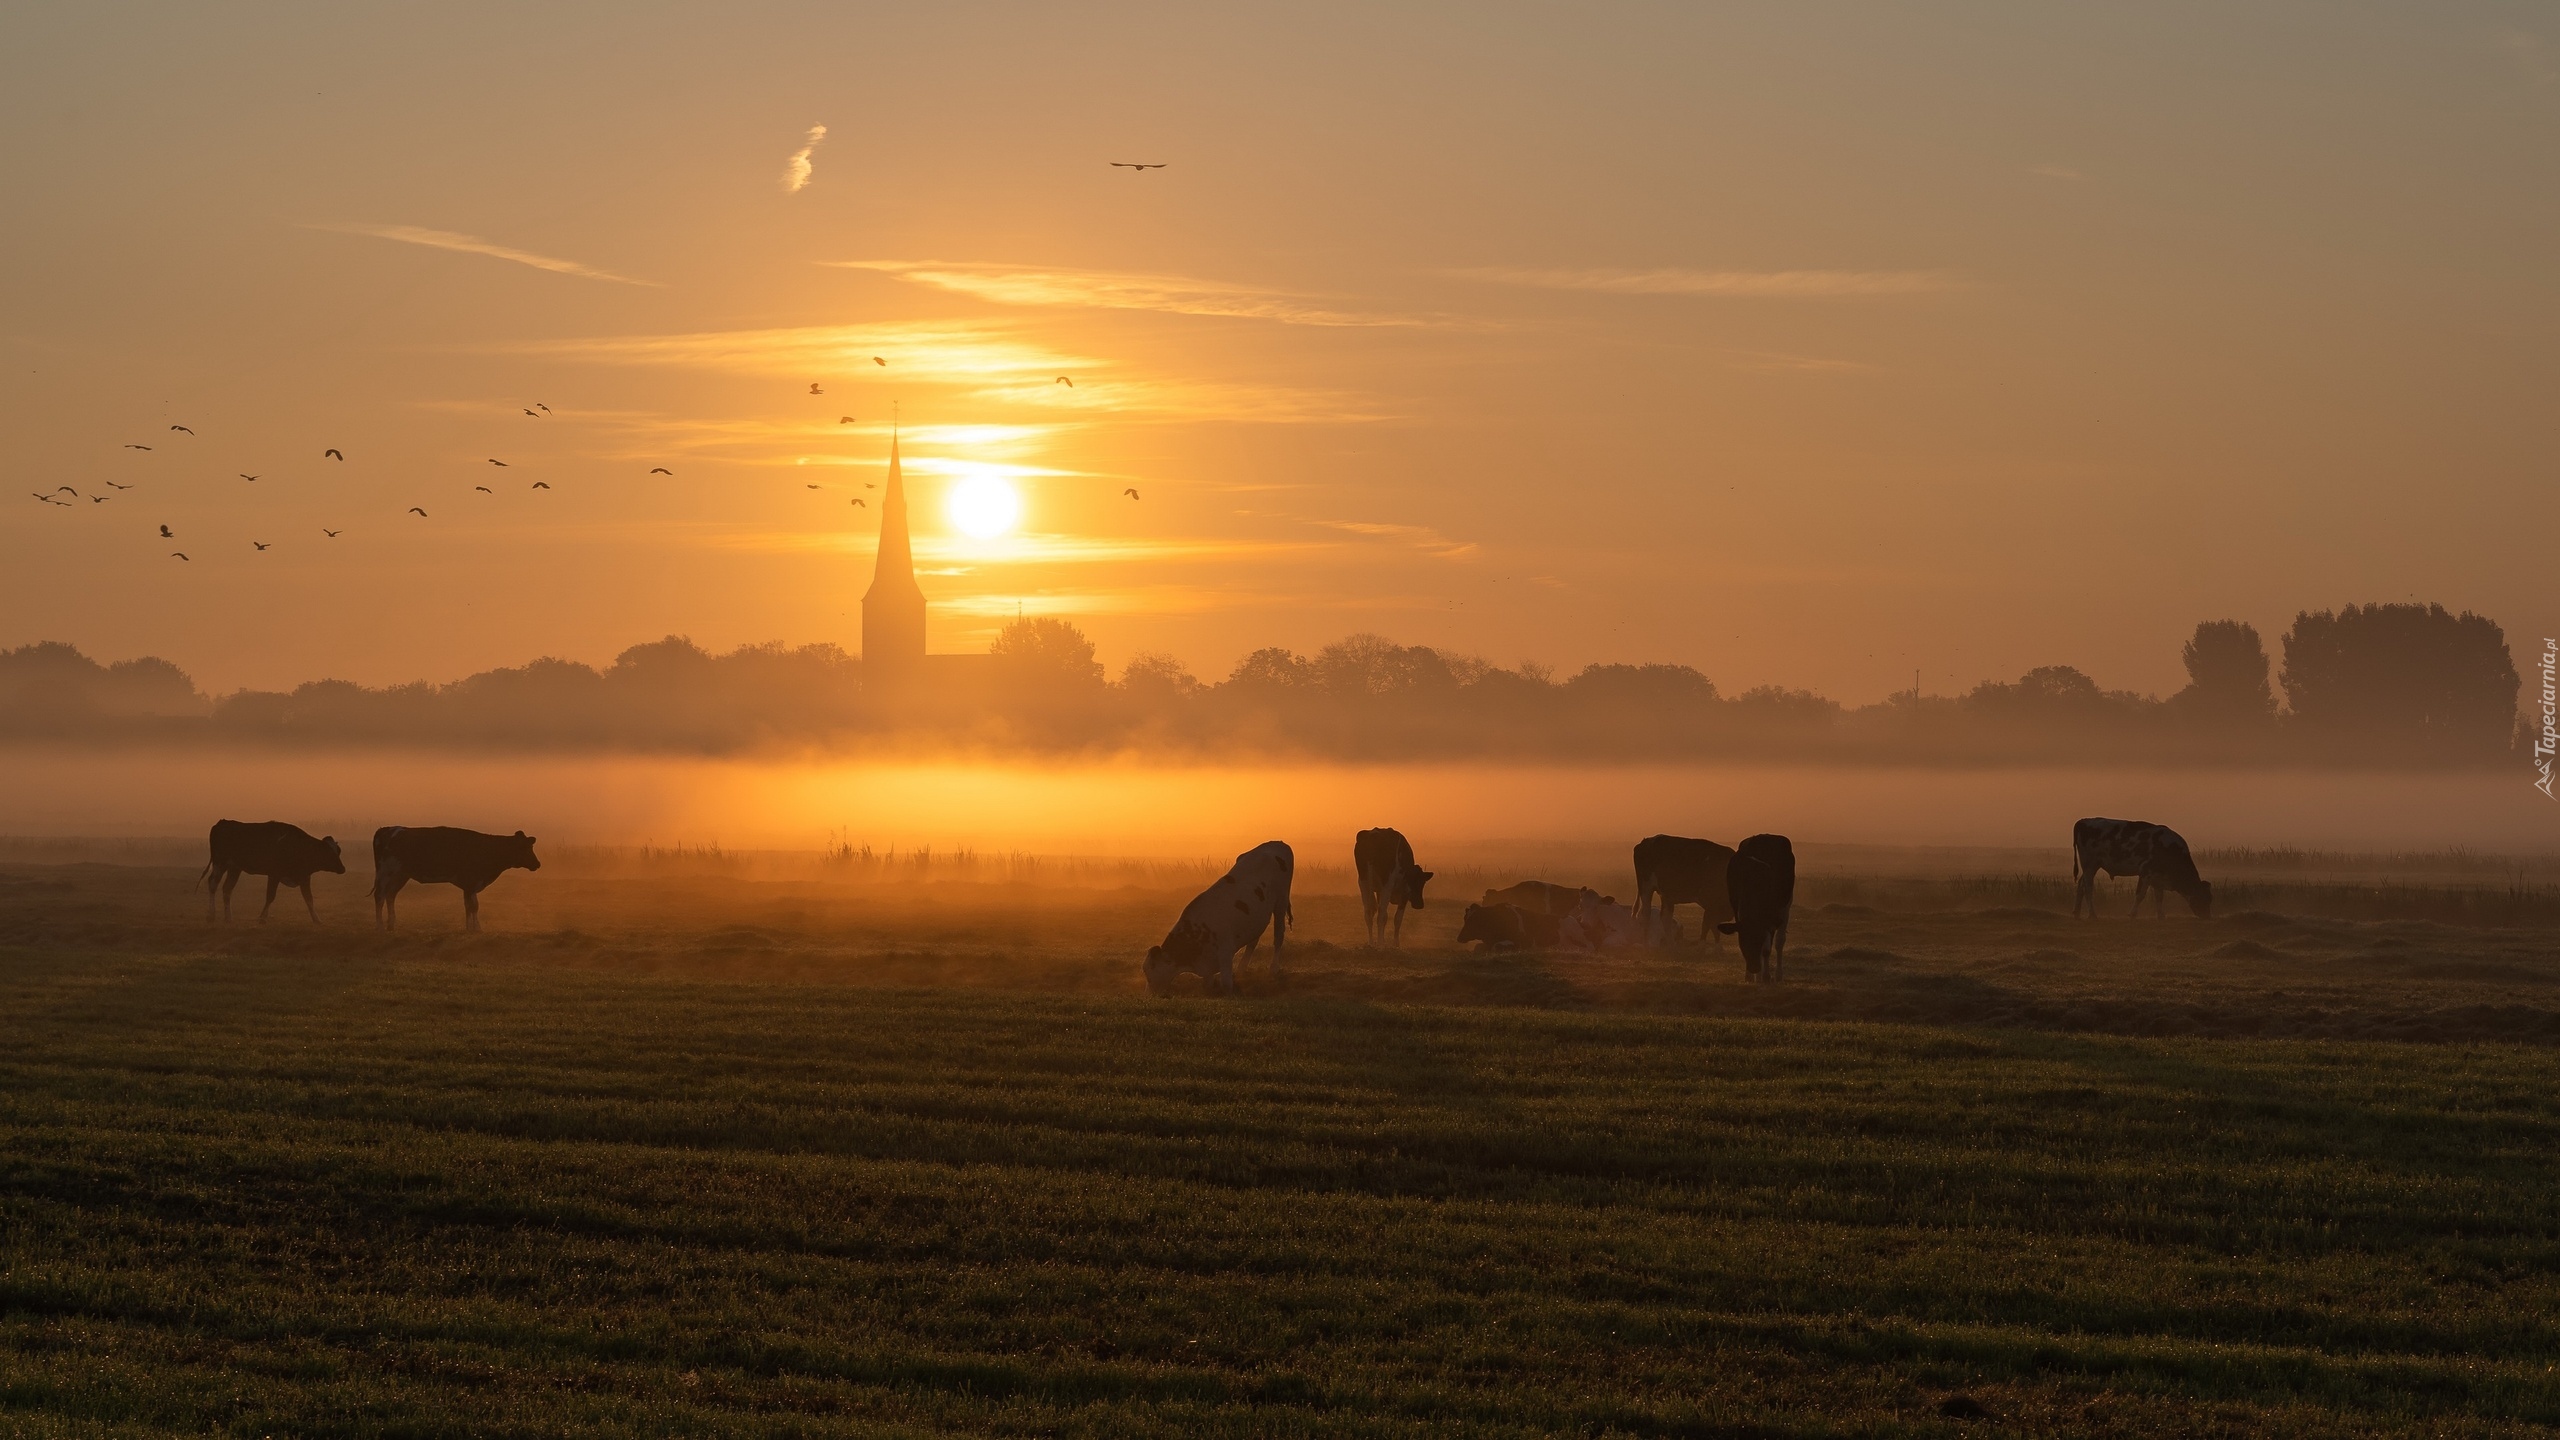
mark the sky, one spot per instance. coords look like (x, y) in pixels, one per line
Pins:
(1808, 344)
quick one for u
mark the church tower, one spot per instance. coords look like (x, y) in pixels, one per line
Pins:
(893, 609)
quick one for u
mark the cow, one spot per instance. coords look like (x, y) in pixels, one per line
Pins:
(1227, 917)
(1760, 884)
(1537, 897)
(284, 854)
(1682, 871)
(443, 855)
(1507, 927)
(2154, 855)
(1598, 924)
(1388, 876)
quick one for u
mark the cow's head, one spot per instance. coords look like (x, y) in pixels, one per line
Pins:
(1415, 877)
(335, 864)
(2199, 897)
(1180, 951)
(521, 855)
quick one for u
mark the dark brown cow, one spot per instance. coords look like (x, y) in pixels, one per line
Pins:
(1388, 877)
(284, 854)
(1681, 871)
(1761, 882)
(443, 855)
(1540, 897)
(2155, 855)
(1508, 927)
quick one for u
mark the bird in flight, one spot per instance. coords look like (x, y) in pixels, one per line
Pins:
(876, 360)
(817, 487)
(814, 388)
(247, 477)
(261, 544)
(100, 499)
(165, 535)
(181, 427)
(179, 553)
(483, 489)
(541, 484)
(137, 447)
(1131, 492)
(49, 500)
(120, 487)
(844, 419)
(661, 470)
(870, 485)
(1133, 165)
(64, 490)
(414, 510)
(537, 417)
(538, 405)
(858, 501)
(501, 464)
(325, 530)
(332, 454)
(1063, 380)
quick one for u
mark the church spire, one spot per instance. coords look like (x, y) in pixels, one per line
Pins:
(893, 608)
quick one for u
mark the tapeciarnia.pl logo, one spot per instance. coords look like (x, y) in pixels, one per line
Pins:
(2546, 743)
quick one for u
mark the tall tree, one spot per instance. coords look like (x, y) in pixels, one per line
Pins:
(2227, 675)
(2413, 677)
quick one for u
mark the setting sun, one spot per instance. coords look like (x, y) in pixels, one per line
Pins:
(984, 506)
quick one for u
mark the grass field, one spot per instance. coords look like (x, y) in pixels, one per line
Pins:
(682, 1154)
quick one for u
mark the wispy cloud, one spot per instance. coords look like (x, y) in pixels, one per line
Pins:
(1417, 537)
(1109, 290)
(1770, 284)
(988, 361)
(474, 245)
(2056, 172)
(796, 170)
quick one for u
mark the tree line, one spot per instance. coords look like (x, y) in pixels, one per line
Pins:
(2398, 684)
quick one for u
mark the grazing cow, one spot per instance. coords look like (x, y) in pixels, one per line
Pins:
(1227, 917)
(284, 854)
(2154, 855)
(1682, 871)
(1508, 927)
(1388, 876)
(443, 855)
(1761, 884)
(1537, 897)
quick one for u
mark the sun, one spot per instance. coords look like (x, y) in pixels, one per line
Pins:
(983, 506)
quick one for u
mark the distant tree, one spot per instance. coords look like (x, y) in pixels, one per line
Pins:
(1654, 690)
(2226, 675)
(1047, 655)
(1156, 679)
(2414, 677)
(1362, 666)
(1270, 671)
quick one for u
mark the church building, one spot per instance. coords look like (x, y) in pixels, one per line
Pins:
(893, 612)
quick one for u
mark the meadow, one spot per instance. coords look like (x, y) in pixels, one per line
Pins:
(700, 1144)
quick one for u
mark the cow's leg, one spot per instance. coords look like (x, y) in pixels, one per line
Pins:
(273, 884)
(1399, 941)
(1280, 935)
(212, 883)
(230, 882)
(471, 910)
(306, 900)
(386, 900)
(2140, 885)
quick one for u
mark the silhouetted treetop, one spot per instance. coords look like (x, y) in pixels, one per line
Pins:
(2413, 676)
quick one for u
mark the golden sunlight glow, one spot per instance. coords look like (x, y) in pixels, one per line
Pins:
(983, 506)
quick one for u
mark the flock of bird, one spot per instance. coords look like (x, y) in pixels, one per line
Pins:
(538, 411)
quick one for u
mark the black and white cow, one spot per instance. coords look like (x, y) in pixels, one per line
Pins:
(1761, 884)
(1227, 917)
(1388, 877)
(443, 855)
(284, 854)
(1681, 871)
(2154, 855)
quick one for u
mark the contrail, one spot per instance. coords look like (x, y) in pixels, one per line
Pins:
(796, 173)
(474, 245)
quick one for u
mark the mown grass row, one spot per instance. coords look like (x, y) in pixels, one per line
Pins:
(414, 1196)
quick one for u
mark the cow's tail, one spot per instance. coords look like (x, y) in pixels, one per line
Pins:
(202, 876)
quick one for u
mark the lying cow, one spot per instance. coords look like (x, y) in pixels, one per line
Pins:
(1760, 883)
(1227, 917)
(1508, 927)
(284, 854)
(1388, 876)
(443, 855)
(2154, 855)
(1537, 897)
(1599, 924)
(1681, 871)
